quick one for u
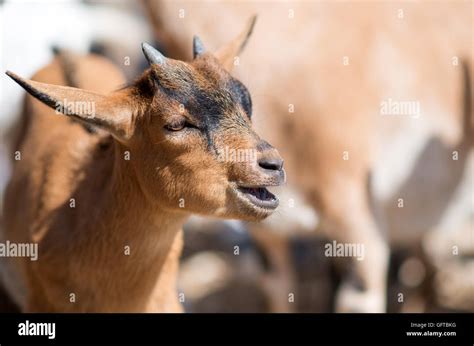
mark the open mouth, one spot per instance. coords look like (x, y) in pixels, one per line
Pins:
(259, 196)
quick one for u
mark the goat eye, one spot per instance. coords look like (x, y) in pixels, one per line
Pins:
(176, 126)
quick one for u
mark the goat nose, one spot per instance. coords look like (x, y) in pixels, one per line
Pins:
(271, 163)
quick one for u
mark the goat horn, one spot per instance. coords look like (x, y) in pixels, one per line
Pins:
(153, 56)
(198, 47)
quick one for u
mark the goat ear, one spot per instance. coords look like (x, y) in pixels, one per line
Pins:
(112, 112)
(227, 53)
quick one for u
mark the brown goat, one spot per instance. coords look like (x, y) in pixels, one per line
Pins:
(106, 204)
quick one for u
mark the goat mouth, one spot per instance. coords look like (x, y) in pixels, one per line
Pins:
(259, 196)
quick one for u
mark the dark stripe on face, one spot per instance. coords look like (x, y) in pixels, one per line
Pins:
(212, 103)
(241, 95)
(206, 107)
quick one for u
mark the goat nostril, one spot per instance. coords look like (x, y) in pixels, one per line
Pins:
(271, 164)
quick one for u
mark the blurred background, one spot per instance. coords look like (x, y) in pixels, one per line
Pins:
(320, 74)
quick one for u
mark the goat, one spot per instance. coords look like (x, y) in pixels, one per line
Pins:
(106, 206)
